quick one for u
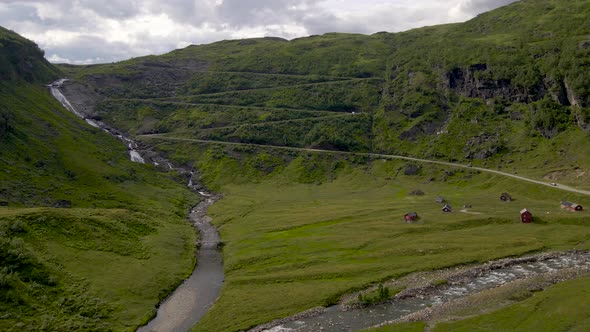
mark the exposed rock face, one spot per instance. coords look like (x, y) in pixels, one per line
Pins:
(82, 97)
(581, 120)
(63, 204)
(144, 80)
(482, 147)
(412, 170)
(425, 128)
(571, 96)
(557, 91)
(473, 82)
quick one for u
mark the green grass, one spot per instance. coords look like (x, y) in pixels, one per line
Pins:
(290, 247)
(562, 307)
(102, 264)
(302, 229)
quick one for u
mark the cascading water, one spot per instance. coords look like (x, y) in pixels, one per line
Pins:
(192, 299)
(134, 155)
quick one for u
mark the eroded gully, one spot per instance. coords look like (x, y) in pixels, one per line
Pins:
(190, 301)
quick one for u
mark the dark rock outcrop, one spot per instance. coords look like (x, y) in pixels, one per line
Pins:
(475, 82)
(62, 204)
(482, 146)
(412, 170)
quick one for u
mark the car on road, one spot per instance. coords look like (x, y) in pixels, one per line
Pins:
(554, 184)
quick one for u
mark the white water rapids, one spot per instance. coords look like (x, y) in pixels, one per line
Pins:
(134, 155)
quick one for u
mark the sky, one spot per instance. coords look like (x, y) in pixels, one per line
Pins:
(100, 31)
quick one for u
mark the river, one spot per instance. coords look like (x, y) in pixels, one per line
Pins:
(334, 318)
(190, 301)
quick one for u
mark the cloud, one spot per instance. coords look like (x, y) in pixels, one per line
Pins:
(474, 7)
(90, 31)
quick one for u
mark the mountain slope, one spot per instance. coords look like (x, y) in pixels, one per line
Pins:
(521, 68)
(505, 90)
(511, 80)
(22, 59)
(88, 239)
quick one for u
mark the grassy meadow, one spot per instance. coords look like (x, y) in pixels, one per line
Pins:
(295, 240)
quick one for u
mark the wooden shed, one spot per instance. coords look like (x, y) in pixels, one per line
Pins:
(526, 216)
(505, 197)
(447, 208)
(412, 216)
(571, 206)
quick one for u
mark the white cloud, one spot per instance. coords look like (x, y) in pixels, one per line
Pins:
(90, 31)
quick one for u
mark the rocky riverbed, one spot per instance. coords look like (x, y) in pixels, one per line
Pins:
(429, 295)
(193, 298)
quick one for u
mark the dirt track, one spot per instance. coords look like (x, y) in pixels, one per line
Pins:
(383, 156)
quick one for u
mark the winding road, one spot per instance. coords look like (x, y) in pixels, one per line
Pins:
(377, 155)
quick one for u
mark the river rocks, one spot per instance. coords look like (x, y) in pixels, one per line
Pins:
(302, 315)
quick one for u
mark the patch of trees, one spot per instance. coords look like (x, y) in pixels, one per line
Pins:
(549, 118)
(6, 123)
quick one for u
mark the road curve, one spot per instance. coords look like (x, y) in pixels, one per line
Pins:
(378, 155)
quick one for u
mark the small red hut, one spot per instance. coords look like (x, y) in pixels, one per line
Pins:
(412, 216)
(526, 216)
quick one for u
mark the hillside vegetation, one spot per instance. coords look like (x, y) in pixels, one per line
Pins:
(88, 239)
(302, 229)
(508, 86)
(507, 90)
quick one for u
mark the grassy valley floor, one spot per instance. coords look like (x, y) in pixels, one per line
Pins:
(293, 246)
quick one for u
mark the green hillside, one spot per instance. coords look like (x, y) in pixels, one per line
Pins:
(508, 86)
(22, 59)
(508, 90)
(88, 239)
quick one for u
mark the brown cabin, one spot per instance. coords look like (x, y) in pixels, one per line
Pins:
(412, 216)
(571, 206)
(505, 197)
(526, 216)
(447, 208)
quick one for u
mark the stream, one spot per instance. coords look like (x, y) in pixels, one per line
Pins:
(194, 297)
(335, 319)
(190, 301)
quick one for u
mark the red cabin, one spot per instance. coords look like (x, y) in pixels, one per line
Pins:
(526, 216)
(412, 216)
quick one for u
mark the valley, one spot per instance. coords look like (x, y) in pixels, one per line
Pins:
(307, 156)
